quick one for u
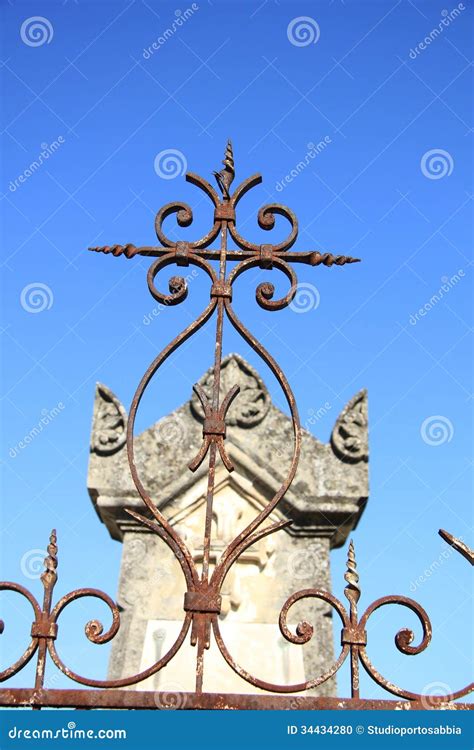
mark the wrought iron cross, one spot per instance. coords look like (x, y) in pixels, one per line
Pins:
(204, 598)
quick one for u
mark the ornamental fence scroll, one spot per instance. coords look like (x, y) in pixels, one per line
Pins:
(202, 600)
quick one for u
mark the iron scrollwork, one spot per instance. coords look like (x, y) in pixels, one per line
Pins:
(202, 602)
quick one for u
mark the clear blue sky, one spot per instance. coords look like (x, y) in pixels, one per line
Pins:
(375, 190)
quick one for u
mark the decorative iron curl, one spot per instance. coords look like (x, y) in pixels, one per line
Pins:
(304, 633)
(184, 216)
(405, 636)
(94, 629)
(177, 285)
(353, 637)
(266, 221)
(403, 640)
(265, 291)
(94, 632)
(304, 630)
(33, 645)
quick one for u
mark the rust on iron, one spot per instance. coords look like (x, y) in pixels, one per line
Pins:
(202, 600)
(458, 545)
(152, 700)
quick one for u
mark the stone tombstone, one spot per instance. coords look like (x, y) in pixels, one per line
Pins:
(324, 503)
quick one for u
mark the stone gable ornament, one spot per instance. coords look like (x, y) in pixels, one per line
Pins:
(110, 422)
(349, 436)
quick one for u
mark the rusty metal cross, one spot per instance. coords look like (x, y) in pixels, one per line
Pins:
(249, 255)
(202, 600)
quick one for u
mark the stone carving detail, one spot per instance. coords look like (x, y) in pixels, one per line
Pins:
(253, 401)
(228, 520)
(109, 429)
(349, 437)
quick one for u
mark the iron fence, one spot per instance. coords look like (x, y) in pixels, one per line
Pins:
(202, 600)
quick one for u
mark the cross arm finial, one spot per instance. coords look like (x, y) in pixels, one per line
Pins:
(225, 216)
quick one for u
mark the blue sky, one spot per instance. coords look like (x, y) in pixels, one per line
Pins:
(392, 185)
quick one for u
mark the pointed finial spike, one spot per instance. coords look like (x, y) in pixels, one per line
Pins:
(225, 177)
(458, 545)
(49, 577)
(328, 259)
(352, 590)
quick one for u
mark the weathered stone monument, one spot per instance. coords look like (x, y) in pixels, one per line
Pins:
(324, 503)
